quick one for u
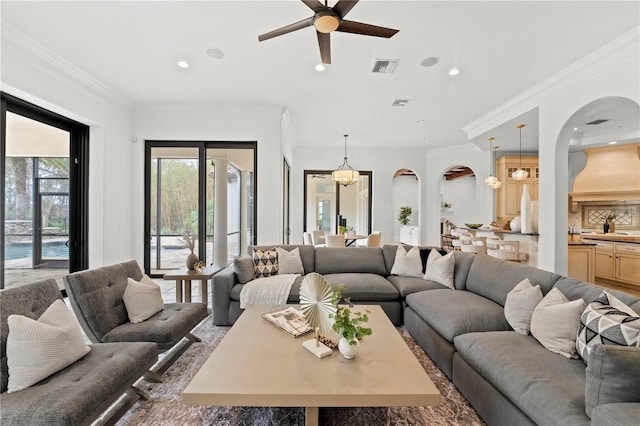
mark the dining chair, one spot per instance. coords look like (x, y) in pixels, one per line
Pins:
(508, 250)
(373, 240)
(335, 240)
(306, 239)
(318, 238)
(473, 244)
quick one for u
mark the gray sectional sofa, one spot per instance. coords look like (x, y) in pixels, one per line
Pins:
(509, 378)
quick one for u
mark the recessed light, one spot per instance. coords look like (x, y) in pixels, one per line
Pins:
(575, 128)
(320, 67)
(454, 71)
(215, 53)
(613, 142)
(183, 64)
(429, 62)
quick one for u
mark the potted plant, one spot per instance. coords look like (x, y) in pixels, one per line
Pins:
(447, 206)
(608, 219)
(348, 324)
(405, 215)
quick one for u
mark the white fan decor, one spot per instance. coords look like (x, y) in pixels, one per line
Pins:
(315, 302)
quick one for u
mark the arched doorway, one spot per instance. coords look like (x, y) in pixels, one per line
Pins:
(405, 192)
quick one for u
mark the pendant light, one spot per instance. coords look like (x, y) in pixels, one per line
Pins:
(345, 175)
(497, 184)
(491, 179)
(520, 174)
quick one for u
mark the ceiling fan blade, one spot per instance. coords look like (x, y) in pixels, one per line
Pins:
(365, 29)
(344, 6)
(324, 41)
(314, 5)
(307, 22)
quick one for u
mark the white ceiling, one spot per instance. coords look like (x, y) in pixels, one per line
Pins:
(502, 49)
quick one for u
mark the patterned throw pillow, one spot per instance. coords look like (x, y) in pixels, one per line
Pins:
(265, 262)
(607, 320)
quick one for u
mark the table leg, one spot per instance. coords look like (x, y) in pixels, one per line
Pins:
(178, 291)
(311, 415)
(203, 292)
(187, 291)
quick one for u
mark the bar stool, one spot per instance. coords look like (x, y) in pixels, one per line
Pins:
(508, 250)
(474, 244)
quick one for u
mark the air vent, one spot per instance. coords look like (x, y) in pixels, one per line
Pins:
(400, 102)
(385, 66)
(596, 122)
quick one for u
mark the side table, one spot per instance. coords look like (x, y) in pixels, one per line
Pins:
(183, 275)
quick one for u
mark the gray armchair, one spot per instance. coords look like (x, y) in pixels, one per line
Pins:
(81, 392)
(96, 298)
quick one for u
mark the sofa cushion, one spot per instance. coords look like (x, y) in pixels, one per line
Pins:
(544, 385)
(574, 289)
(244, 269)
(331, 260)
(607, 320)
(620, 414)
(142, 298)
(520, 304)
(440, 268)
(408, 285)
(307, 254)
(555, 321)
(364, 287)
(612, 376)
(166, 328)
(265, 262)
(72, 395)
(39, 348)
(289, 262)
(407, 263)
(455, 312)
(494, 278)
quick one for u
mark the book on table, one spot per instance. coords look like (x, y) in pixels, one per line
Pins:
(290, 320)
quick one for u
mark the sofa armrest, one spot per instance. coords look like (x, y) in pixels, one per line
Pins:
(620, 414)
(612, 376)
(221, 285)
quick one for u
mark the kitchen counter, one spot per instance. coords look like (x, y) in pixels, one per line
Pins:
(580, 243)
(613, 237)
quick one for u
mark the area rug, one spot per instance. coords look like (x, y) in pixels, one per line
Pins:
(166, 408)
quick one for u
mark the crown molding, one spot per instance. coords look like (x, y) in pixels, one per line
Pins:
(618, 51)
(80, 78)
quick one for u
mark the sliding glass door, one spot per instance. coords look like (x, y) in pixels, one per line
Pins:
(187, 186)
(44, 197)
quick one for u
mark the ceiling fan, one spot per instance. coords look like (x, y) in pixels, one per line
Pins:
(328, 19)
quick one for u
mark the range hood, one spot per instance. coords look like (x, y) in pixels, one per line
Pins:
(612, 173)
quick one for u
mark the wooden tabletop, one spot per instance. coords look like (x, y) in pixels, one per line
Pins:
(257, 365)
(185, 274)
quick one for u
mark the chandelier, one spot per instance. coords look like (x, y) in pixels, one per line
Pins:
(491, 180)
(520, 174)
(345, 175)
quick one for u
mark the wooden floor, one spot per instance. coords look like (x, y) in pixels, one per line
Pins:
(635, 292)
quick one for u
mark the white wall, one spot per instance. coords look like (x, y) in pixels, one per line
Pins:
(384, 163)
(33, 73)
(205, 122)
(461, 194)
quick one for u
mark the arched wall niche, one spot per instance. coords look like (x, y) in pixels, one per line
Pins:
(405, 191)
(459, 189)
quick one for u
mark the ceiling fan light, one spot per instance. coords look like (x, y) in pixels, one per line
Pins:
(326, 22)
(519, 174)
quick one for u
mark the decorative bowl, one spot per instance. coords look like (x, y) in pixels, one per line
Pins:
(473, 225)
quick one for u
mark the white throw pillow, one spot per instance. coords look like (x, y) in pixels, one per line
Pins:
(39, 348)
(440, 268)
(289, 262)
(407, 264)
(520, 304)
(555, 321)
(142, 299)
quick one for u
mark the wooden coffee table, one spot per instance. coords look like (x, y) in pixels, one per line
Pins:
(257, 365)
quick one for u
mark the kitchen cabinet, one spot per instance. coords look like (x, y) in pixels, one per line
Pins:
(617, 262)
(508, 196)
(582, 259)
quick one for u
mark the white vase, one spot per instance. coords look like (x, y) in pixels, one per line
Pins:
(525, 211)
(515, 224)
(347, 350)
(534, 216)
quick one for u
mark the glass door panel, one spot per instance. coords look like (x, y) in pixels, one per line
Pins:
(320, 203)
(174, 207)
(354, 205)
